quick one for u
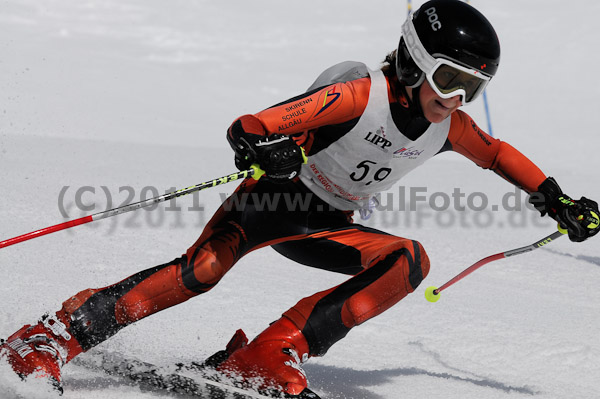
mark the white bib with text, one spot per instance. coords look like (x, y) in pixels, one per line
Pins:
(372, 156)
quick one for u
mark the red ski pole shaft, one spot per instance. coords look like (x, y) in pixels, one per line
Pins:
(46, 230)
(546, 240)
(253, 171)
(432, 294)
(469, 270)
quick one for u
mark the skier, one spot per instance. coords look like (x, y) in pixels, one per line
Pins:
(354, 133)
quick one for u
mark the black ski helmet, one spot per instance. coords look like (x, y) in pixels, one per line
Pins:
(452, 30)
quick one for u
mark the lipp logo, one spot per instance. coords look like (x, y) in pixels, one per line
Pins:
(377, 139)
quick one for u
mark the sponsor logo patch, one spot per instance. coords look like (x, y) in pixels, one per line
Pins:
(480, 133)
(327, 102)
(378, 139)
(408, 153)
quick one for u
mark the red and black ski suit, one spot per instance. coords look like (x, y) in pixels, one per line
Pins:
(384, 267)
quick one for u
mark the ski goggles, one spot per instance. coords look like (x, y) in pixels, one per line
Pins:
(445, 76)
(449, 79)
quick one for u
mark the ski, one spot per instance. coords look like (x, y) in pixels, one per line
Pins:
(193, 379)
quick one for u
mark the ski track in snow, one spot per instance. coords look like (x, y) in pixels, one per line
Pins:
(594, 260)
(138, 94)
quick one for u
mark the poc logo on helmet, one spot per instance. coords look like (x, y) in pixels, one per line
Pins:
(433, 18)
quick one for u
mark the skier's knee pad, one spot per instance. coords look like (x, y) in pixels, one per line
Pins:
(201, 271)
(411, 258)
(387, 282)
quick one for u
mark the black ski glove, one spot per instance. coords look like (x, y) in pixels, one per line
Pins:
(278, 155)
(578, 217)
(245, 155)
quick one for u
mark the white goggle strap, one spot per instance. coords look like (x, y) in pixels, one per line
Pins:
(417, 51)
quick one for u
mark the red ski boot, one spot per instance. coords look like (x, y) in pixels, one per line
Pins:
(41, 349)
(272, 360)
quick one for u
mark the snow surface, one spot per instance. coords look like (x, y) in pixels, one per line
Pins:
(138, 93)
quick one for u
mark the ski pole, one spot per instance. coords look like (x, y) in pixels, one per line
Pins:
(254, 171)
(432, 294)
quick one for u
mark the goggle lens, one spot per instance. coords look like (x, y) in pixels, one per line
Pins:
(448, 79)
